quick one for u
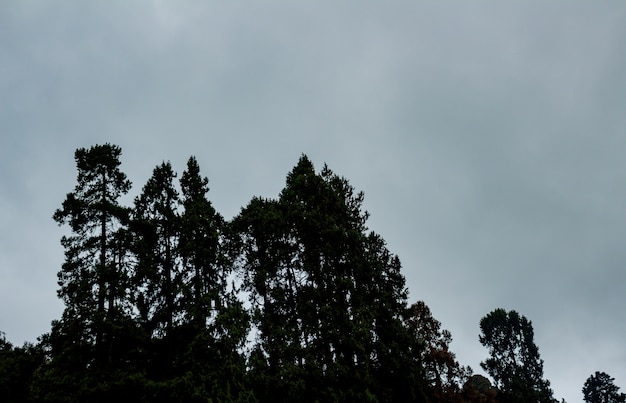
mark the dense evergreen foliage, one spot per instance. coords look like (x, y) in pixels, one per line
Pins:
(599, 388)
(514, 364)
(294, 299)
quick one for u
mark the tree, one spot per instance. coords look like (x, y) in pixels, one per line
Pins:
(478, 389)
(158, 279)
(514, 362)
(93, 280)
(264, 256)
(215, 322)
(156, 226)
(17, 368)
(200, 237)
(195, 327)
(444, 375)
(327, 296)
(599, 388)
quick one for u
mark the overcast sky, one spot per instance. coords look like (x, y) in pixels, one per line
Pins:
(488, 137)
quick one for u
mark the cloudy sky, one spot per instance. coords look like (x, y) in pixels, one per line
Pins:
(488, 137)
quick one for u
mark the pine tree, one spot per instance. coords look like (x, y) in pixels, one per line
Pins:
(599, 388)
(327, 297)
(157, 278)
(274, 373)
(90, 280)
(514, 362)
(200, 237)
(216, 325)
(93, 279)
(17, 368)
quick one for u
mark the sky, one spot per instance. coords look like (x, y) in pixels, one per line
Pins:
(487, 136)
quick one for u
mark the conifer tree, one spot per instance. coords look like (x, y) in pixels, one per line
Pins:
(153, 297)
(93, 279)
(514, 362)
(443, 374)
(600, 388)
(90, 279)
(327, 296)
(215, 322)
(157, 277)
(201, 233)
(17, 368)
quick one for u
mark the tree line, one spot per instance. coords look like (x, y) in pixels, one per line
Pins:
(294, 299)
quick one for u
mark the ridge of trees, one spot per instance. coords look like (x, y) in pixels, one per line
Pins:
(294, 299)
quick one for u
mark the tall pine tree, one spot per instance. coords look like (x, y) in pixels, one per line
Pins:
(157, 278)
(93, 280)
(201, 234)
(327, 296)
(215, 322)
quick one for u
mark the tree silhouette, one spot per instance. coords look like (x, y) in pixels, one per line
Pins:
(215, 323)
(599, 388)
(17, 369)
(327, 297)
(514, 362)
(90, 337)
(444, 375)
(294, 299)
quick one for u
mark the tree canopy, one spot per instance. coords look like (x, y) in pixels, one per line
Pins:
(514, 362)
(293, 299)
(599, 388)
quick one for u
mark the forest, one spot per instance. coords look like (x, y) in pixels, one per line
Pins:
(292, 300)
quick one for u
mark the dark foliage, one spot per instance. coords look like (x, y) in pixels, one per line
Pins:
(294, 299)
(444, 376)
(17, 370)
(599, 388)
(514, 361)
